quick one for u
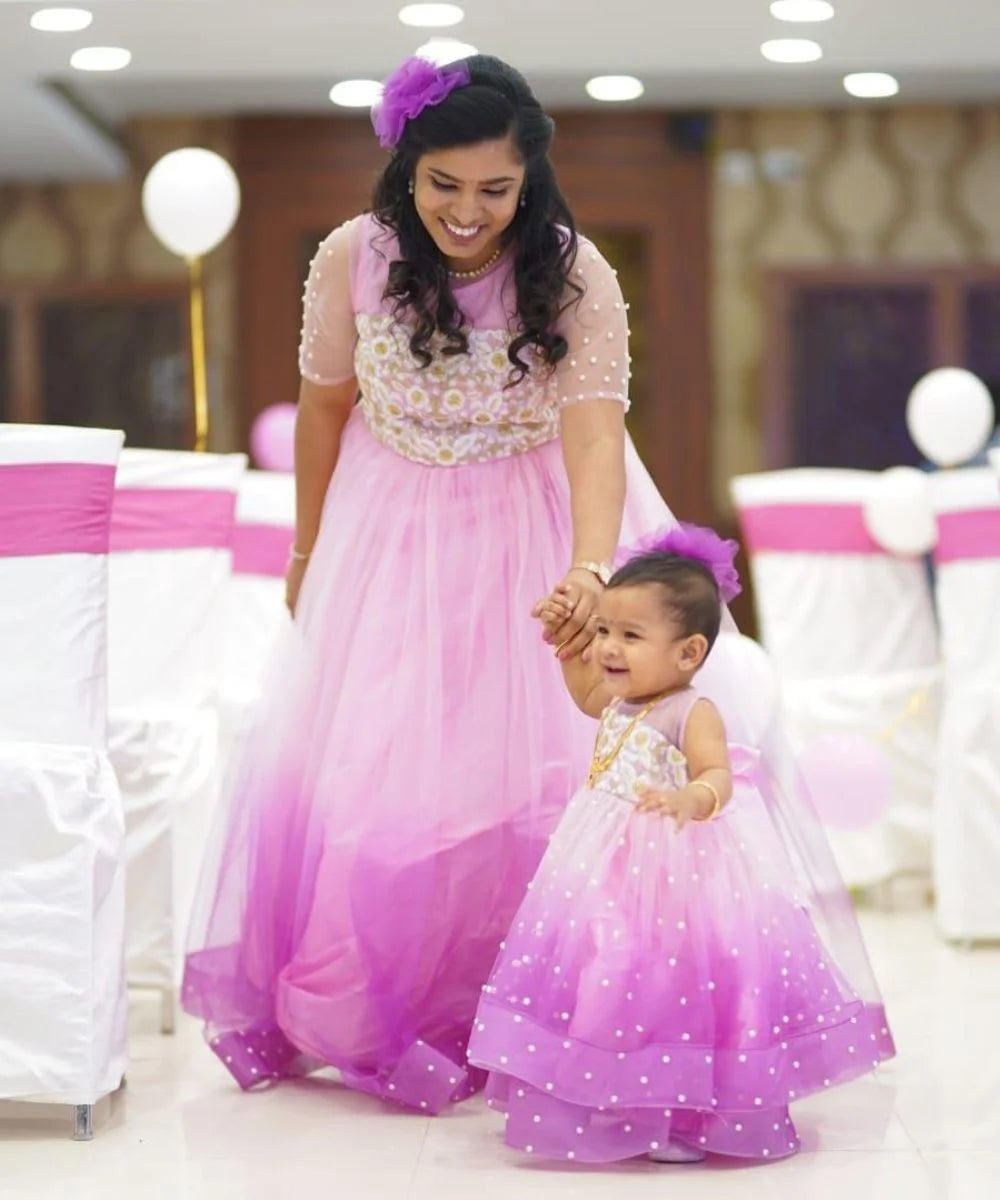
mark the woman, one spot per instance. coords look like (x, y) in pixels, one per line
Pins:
(416, 746)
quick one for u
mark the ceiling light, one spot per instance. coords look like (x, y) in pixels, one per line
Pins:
(101, 58)
(871, 85)
(356, 93)
(442, 51)
(615, 88)
(802, 11)
(61, 20)
(431, 16)
(792, 50)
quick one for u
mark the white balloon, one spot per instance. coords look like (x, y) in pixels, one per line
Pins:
(950, 416)
(191, 199)
(995, 460)
(900, 515)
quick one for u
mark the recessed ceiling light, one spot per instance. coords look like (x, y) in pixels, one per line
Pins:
(442, 51)
(431, 16)
(61, 20)
(615, 88)
(802, 11)
(871, 85)
(356, 93)
(101, 58)
(792, 50)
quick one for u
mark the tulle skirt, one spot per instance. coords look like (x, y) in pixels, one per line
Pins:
(662, 985)
(401, 779)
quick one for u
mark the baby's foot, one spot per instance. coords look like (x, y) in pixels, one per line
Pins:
(676, 1152)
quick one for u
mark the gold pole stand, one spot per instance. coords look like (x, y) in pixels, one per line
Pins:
(198, 373)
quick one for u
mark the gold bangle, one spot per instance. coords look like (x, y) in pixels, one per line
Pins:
(717, 807)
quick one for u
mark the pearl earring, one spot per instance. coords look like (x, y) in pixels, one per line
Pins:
(524, 199)
(410, 187)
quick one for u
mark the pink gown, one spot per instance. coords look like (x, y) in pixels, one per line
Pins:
(416, 746)
(659, 984)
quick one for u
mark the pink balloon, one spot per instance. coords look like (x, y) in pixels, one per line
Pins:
(849, 778)
(272, 438)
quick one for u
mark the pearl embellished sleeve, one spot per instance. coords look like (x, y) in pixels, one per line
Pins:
(596, 366)
(326, 349)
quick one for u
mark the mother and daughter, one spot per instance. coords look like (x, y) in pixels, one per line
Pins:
(397, 887)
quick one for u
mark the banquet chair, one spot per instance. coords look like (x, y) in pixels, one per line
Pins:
(171, 537)
(852, 633)
(967, 799)
(63, 1002)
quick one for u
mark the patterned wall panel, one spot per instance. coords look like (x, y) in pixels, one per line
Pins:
(863, 186)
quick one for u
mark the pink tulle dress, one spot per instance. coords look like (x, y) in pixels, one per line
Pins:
(416, 746)
(661, 985)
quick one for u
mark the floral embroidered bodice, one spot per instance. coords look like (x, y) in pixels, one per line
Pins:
(459, 409)
(649, 757)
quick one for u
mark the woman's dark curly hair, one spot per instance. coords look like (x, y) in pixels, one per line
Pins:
(497, 102)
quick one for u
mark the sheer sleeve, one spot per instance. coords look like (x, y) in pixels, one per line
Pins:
(326, 349)
(596, 366)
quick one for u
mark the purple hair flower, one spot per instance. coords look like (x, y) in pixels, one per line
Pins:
(697, 543)
(415, 85)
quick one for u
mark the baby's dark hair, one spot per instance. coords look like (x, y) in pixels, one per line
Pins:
(689, 589)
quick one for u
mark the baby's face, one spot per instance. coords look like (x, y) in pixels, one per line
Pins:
(640, 648)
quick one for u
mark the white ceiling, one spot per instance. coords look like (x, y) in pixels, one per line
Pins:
(243, 56)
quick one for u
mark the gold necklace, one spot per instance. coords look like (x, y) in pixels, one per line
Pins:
(599, 765)
(477, 271)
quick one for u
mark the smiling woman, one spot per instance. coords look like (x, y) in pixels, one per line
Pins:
(468, 178)
(467, 216)
(460, 450)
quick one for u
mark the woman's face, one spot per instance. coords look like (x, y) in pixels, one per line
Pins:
(466, 197)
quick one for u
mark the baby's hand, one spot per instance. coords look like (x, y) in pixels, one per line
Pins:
(684, 805)
(555, 610)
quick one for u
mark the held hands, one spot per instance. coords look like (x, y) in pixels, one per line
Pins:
(568, 615)
(684, 805)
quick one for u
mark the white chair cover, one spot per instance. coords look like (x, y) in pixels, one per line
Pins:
(63, 1007)
(63, 1003)
(56, 485)
(265, 528)
(852, 633)
(170, 570)
(967, 809)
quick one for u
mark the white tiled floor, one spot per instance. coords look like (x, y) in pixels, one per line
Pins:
(927, 1127)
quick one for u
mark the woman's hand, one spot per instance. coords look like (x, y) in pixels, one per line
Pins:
(576, 599)
(293, 582)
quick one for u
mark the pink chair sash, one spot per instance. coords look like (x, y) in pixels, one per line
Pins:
(969, 535)
(807, 529)
(54, 508)
(172, 519)
(260, 549)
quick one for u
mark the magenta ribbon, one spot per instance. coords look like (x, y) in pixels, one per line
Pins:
(172, 519)
(55, 508)
(807, 529)
(260, 549)
(969, 535)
